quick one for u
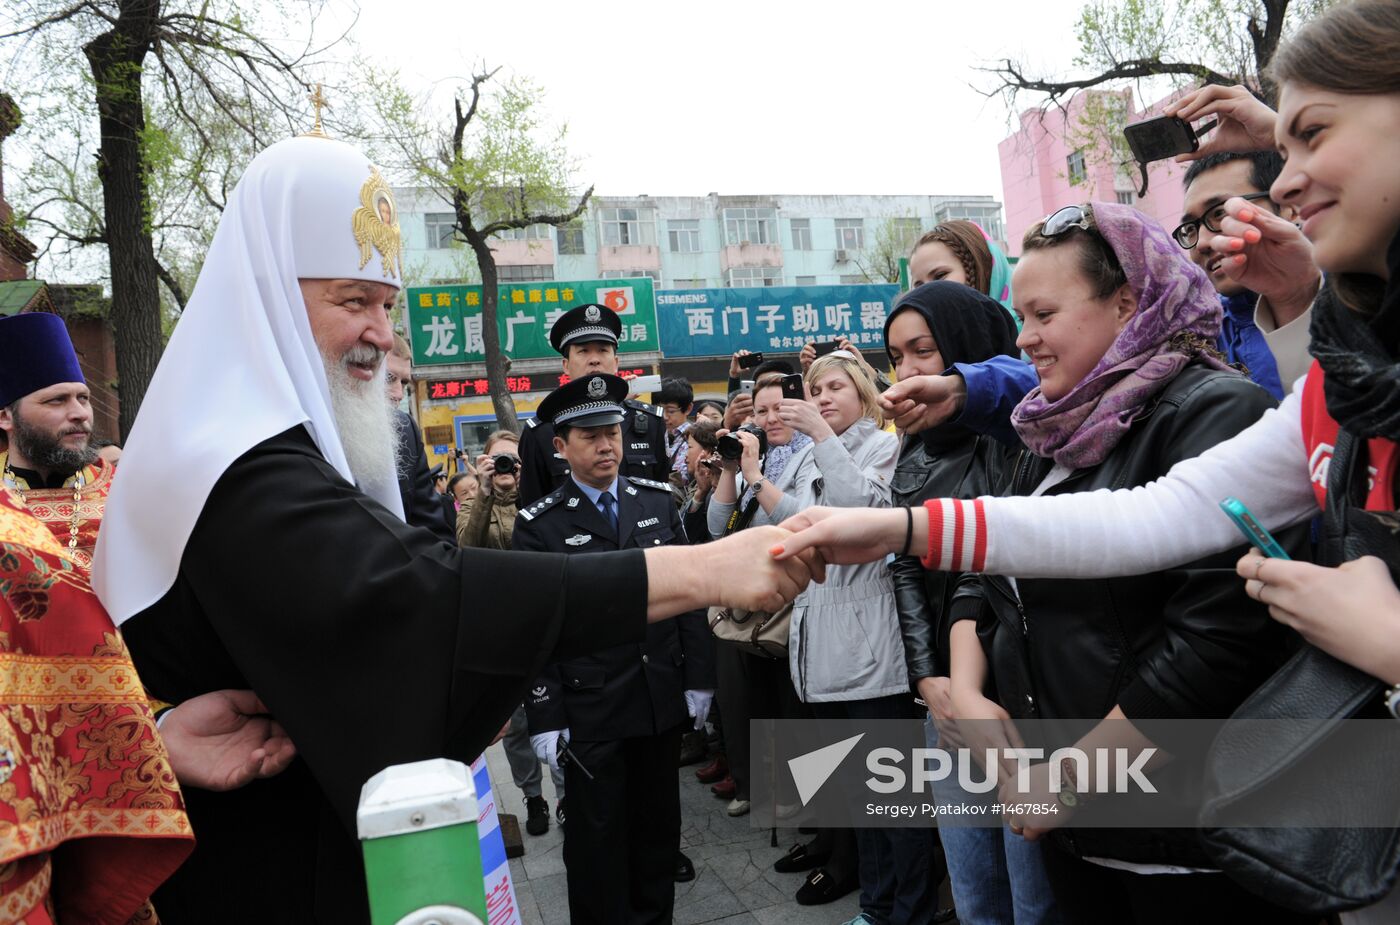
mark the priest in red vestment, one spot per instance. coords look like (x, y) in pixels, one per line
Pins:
(91, 817)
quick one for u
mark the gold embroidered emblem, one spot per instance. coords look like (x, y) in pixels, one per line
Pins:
(376, 223)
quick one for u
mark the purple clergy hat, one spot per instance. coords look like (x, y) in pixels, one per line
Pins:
(35, 353)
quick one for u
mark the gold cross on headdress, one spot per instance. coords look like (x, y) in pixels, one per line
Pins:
(318, 101)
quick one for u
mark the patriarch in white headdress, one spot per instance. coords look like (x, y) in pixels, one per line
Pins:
(288, 325)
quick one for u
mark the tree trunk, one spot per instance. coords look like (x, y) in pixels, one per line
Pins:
(501, 399)
(115, 58)
(1266, 40)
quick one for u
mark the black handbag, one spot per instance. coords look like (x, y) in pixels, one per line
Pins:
(1314, 869)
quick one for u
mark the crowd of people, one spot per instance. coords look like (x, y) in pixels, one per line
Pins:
(1020, 523)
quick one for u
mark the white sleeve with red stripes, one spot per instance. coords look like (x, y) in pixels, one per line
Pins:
(1168, 522)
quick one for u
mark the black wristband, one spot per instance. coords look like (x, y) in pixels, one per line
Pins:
(909, 530)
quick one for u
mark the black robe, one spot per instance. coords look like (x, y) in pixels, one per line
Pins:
(372, 642)
(422, 505)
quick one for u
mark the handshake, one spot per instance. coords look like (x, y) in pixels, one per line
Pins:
(764, 568)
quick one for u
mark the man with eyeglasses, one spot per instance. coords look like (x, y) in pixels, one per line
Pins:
(1268, 295)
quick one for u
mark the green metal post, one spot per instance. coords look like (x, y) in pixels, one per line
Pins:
(422, 856)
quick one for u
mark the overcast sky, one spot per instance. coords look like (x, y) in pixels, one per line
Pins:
(668, 98)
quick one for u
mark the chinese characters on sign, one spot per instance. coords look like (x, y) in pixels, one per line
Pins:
(445, 321)
(717, 322)
(481, 388)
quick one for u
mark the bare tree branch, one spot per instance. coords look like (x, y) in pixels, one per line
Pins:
(177, 292)
(1013, 80)
(55, 18)
(525, 221)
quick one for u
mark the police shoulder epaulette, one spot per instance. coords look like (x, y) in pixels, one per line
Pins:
(659, 486)
(643, 406)
(542, 505)
(532, 422)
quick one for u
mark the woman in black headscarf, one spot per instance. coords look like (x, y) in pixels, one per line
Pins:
(932, 329)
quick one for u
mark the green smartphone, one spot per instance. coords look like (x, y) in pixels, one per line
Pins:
(1253, 530)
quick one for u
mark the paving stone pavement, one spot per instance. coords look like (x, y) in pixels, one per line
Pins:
(734, 884)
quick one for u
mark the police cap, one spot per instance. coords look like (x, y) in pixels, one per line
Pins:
(584, 324)
(589, 401)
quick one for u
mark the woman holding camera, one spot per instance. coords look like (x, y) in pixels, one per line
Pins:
(486, 519)
(845, 654)
(751, 686)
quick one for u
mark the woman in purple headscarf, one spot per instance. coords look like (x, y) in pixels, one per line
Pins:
(1120, 328)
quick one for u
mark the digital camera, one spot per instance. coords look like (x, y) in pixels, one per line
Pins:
(730, 447)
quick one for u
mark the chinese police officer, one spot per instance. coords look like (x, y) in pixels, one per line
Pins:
(586, 337)
(616, 716)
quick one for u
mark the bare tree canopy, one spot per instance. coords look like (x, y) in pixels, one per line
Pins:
(498, 166)
(140, 115)
(1186, 41)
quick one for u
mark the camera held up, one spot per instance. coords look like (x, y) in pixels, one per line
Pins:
(730, 447)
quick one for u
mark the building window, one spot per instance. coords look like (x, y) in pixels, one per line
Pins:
(1075, 163)
(750, 226)
(802, 234)
(570, 239)
(1126, 197)
(804, 281)
(524, 273)
(750, 277)
(854, 279)
(687, 284)
(905, 231)
(850, 234)
(528, 233)
(623, 227)
(631, 274)
(440, 227)
(684, 235)
(986, 214)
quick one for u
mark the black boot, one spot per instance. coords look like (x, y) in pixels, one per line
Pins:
(536, 815)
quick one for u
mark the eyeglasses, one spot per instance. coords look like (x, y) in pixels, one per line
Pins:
(1062, 220)
(1188, 233)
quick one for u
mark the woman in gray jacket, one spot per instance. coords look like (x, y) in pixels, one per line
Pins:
(845, 651)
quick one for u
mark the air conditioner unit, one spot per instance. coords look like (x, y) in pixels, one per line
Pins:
(842, 256)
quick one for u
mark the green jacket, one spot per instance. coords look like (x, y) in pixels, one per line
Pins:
(486, 521)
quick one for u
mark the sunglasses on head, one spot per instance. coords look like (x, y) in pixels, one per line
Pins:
(1063, 220)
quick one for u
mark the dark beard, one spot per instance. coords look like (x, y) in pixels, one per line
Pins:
(46, 454)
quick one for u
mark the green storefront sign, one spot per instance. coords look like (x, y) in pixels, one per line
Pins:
(444, 322)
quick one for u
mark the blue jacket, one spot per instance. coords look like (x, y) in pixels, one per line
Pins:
(994, 388)
(1242, 342)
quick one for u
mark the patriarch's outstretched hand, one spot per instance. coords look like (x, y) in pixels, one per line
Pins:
(749, 577)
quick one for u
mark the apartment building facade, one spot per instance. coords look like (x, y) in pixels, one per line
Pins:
(693, 242)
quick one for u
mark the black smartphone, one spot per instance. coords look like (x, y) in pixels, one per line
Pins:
(1162, 137)
(749, 361)
(826, 346)
(792, 386)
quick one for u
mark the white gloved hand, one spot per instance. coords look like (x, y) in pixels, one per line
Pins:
(546, 746)
(697, 704)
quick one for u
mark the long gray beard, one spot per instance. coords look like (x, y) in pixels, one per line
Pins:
(364, 420)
